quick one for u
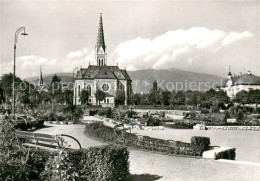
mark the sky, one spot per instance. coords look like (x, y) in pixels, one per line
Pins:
(199, 36)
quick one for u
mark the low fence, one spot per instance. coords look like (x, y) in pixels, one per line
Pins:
(242, 128)
(121, 137)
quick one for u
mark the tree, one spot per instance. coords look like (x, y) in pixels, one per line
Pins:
(136, 99)
(153, 96)
(242, 97)
(254, 97)
(75, 112)
(165, 96)
(68, 96)
(180, 98)
(227, 116)
(240, 114)
(155, 86)
(55, 90)
(6, 83)
(2, 98)
(100, 95)
(120, 97)
(84, 96)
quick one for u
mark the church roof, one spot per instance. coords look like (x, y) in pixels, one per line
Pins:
(246, 79)
(102, 72)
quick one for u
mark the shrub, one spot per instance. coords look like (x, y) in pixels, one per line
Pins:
(12, 155)
(130, 114)
(180, 125)
(36, 162)
(97, 163)
(229, 154)
(154, 122)
(200, 144)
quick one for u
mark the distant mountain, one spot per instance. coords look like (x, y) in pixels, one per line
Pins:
(167, 79)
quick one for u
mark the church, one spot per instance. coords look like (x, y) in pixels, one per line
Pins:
(102, 77)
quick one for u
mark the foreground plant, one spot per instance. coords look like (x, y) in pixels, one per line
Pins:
(59, 166)
(13, 156)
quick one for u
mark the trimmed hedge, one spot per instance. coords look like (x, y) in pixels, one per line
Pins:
(108, 134)
(227, 154)
(96, 163)
(200, 144)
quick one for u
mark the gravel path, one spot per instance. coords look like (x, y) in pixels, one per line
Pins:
(150, 166)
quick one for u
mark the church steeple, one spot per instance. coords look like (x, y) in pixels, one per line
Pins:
(101, 54)
(40, 78)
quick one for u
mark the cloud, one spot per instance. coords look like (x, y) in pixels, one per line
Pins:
(232, 37)
(174, 48)
(195, 49)
(78, 54)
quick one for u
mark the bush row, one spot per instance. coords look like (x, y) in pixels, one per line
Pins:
(105, 133)
(96, 163)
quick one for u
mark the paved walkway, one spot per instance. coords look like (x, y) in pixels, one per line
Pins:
(150, 165)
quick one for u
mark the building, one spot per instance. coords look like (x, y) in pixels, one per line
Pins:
(41, 86)
(236, 83)
(102, 76)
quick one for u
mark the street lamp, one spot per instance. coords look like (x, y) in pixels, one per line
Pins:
(18, 31)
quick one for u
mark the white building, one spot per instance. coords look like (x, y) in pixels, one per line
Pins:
(236, 83)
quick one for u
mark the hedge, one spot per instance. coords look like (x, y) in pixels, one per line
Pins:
(229, 154)
(100, 131)
(200, 144)
(29, 125)
(96, 163)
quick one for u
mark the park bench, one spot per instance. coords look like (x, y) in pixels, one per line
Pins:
(42, 140)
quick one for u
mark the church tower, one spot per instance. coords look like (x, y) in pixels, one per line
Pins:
(100, 50)
(40, 83)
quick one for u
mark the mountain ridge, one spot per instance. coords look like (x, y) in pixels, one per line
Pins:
(170, 79)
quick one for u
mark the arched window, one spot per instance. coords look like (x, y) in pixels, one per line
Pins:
(89, 89)
(121, 86)
(98, 61)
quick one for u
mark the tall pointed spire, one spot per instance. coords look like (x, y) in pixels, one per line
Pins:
(101, 55)
(40, 78)
(100, 37)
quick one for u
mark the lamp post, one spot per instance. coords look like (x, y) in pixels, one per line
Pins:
(18, 31)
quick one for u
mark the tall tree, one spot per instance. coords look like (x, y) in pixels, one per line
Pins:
(153, 96)
(84, 96)
(165, 96)
(6, 83)
(180, 98)
(120, 97)
(2, 98)
(55, 90)
(68, 96)
(100, 95)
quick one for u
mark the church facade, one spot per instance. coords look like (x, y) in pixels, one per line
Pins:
(102, 76)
